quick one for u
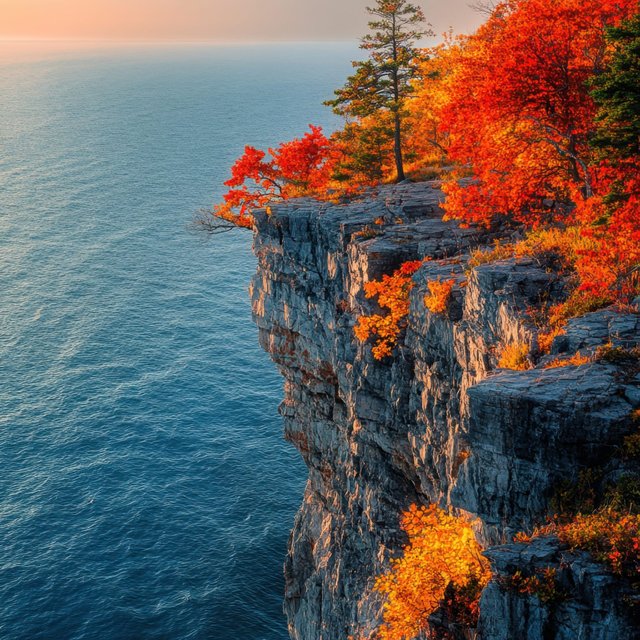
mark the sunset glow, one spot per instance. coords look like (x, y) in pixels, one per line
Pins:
(208, 20)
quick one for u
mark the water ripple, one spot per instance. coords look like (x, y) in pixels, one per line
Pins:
(146, 492)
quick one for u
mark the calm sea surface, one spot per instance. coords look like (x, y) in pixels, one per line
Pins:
(145, 489)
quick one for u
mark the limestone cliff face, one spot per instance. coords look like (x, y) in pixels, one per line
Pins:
(435, 423)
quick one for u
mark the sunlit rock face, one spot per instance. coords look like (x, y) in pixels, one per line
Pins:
(437, 422)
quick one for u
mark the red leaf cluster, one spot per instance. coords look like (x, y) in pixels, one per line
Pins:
(300, 167)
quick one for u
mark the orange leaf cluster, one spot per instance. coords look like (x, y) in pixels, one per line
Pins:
(612, 263)
(543, 584)
(442, 559)
(437, 300)
(427, 140)
(393, 295)
(546, 338)
(575, 360)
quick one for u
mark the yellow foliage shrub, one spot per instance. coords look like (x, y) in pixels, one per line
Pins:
(437, 301)
(441, 563)
(515, 356)
(575, 360)
(565, 243)
(484, 256)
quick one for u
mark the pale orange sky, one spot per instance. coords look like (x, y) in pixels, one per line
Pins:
(214, 20)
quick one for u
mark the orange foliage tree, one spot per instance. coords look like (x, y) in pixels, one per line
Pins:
(520, 114)
(393, 295)
(610, 218)
(297, 168)
(427, 140)
(442, 563)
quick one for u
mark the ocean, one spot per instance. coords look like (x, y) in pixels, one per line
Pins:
(145, 488)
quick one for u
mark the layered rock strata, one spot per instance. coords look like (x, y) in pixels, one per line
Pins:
(437, 422)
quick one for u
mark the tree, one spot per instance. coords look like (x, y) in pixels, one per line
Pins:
(541, 108)
(367, 146)
(300, 167)
(520, 113)
(383, 82)
(617, 94)
(611, 218)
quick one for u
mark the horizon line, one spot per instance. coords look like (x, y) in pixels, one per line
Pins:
(202, 41)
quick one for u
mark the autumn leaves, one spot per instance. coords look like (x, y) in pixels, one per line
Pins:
(537, 112)
(441, 567)
(300, 167)
(539, 107)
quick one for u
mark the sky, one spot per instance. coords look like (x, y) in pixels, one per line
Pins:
(209, 20)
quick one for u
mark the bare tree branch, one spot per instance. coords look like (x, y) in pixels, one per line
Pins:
(485, 7)
(204, 221)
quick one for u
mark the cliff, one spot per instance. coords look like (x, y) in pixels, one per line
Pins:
(436, 423)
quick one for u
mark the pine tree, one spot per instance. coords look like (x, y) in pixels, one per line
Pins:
(617, 93)
(383, 81)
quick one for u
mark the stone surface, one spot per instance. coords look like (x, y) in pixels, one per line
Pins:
(435, 423)
(591, 604)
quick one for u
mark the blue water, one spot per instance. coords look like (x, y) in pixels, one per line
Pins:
(145, 489)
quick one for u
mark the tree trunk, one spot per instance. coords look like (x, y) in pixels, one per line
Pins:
(397, 125)
(397, 147)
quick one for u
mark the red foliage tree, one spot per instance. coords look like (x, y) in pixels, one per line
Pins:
(297, 168)
(520, 111)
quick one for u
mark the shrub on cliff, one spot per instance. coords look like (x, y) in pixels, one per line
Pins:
(515, 356)
(441, 567)
(439, 296)
(393, 296)
(610, 536)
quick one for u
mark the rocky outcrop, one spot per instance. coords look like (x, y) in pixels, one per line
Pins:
(591, 604)
(435, 423)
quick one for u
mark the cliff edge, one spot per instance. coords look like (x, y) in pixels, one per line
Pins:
(436, 423)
